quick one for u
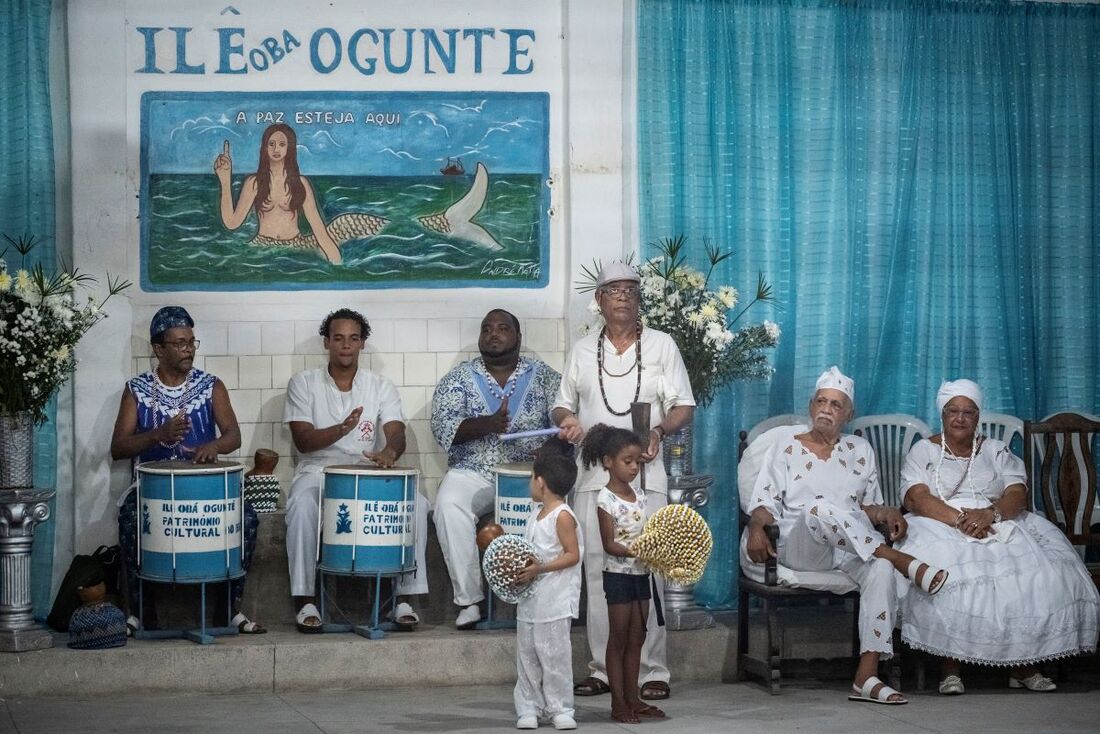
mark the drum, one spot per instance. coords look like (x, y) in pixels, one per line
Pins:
(514, 503)
(367, 520)
(191, 520)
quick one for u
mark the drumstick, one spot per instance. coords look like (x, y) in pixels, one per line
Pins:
(530, 434)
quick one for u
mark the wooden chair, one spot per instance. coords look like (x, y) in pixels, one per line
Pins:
(772, 595)
(891, 436)
(1061, 470)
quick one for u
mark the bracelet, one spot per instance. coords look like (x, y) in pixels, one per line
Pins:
(660, 431)
(960, 518)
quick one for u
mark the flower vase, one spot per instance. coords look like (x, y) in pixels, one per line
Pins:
(17, 450)
(678, 449)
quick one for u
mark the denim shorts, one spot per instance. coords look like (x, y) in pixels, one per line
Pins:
(623, 588)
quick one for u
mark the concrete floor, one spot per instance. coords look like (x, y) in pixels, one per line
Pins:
(710, 707)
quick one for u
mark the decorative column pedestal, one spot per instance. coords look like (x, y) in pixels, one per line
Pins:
(681, 611)
(20, 511)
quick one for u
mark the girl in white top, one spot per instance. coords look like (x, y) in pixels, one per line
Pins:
(544, 653)
(626, 580)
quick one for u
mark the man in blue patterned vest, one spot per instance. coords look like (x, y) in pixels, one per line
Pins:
(176, 412)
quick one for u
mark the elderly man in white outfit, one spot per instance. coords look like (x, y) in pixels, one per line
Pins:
(340, 414)
(821, 487)
(605, 373)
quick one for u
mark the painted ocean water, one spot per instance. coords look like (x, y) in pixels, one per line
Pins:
(186, 247)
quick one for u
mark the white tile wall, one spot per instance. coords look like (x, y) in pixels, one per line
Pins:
(255, 361)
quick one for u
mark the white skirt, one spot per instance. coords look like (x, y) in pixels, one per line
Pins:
(1007, 602)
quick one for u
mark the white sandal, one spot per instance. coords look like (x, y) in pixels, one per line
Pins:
(952, 685)
(928, 580)
(1037, 682)
(883, 695)
(404, 616)
(307, 611)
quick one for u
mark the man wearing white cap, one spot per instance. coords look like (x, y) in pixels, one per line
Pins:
(605, 373)
(821, 488)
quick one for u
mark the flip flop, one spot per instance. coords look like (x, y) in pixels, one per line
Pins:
(928, 579)
(591, 686)
(306, 612)
(651, 712)
(404, 616)
(654, 690)
(246, 626)
(1034, 682)
(882, 696)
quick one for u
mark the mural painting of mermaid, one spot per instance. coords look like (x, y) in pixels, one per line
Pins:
(279, 193)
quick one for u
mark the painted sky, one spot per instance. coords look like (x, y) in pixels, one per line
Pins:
(507, 131)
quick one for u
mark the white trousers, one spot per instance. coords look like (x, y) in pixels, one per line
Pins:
(544, 669)
(302, 507)
(654, 665)
(813, 543)
(463, 497)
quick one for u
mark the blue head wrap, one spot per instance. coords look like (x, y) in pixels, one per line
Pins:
(167, 318)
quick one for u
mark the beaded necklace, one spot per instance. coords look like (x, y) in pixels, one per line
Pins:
(158, 421)
(967, 476)
(509, 385)
(600, 369)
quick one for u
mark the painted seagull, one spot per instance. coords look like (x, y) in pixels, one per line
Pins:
(455, 221)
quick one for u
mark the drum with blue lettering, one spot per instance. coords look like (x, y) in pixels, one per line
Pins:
(514, 503)
(367, 520)
(191, 518)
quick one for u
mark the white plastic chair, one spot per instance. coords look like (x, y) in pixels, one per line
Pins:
(1001, 427)
(786, 419)
(891, 436)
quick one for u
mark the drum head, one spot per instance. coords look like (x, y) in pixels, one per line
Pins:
(518, 469)
(176, 466)
(370, 470)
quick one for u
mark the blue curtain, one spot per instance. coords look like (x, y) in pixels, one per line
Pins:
(27, 190)
(920, 180)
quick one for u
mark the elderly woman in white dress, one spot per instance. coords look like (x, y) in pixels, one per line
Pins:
(821, 487)
(1019, 593)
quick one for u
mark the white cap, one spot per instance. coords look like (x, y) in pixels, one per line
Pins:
(616, 271)
(965, 388)
(835, 379)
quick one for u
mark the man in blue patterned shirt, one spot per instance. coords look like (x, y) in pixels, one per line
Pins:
(498, 392)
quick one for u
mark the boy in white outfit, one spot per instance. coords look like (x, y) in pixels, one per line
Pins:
(544, 653)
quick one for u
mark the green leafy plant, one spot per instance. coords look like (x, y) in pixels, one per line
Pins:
(678, 300)
(41, 321)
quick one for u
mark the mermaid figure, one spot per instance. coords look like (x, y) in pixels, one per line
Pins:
(278, 193)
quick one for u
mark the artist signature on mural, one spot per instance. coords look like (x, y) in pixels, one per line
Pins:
(511, 268)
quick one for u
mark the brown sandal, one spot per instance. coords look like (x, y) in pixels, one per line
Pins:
(591, 686)
(650, 712)
(655, 690)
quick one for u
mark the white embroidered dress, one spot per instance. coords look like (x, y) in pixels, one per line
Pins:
(1020, 596)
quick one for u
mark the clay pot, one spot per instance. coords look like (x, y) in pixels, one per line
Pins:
(264, 462)
(488, 534)
(93, 594)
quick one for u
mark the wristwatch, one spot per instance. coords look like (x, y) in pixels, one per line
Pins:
(996, 514)
(660, 432)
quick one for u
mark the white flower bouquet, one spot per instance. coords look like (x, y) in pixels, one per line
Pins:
(41, 321)
(679, 301)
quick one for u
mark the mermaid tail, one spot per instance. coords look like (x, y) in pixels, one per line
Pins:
(455, 221)
(342, 229)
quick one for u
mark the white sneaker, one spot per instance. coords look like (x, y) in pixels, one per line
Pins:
(524, 722)
(564, 721)
(468, 619)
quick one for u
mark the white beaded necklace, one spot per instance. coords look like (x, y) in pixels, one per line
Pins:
(967, 476)
(509, 385)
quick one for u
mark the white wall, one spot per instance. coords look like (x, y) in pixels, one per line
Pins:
(254, 341)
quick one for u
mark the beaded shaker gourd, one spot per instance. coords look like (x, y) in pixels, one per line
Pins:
(505, 557)
(675, 543)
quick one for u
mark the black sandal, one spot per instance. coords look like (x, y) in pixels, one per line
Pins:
(591, 686)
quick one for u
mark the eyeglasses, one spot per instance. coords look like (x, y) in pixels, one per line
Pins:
(964, 412)
(180, 344)
(617, 292)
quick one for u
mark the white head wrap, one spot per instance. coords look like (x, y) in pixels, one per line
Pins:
(837, 380)
(965, 388)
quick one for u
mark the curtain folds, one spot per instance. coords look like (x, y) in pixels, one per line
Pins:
(919, 180)
(27, 191)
